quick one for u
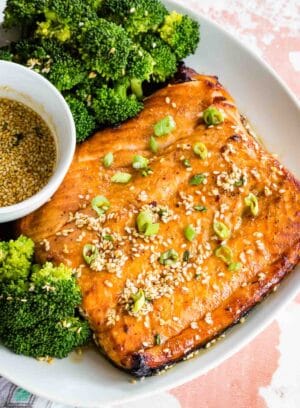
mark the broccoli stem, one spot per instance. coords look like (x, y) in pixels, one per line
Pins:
(137, 87)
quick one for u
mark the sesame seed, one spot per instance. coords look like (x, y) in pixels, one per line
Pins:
(27, 152)
(194, 325)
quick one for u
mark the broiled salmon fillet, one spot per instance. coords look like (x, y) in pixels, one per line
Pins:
(151, 300)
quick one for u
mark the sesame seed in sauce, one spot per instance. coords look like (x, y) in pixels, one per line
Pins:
(27, 152)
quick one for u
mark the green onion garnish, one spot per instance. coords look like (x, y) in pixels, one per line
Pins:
(121, 177)
(153, 145)
(251, 202)
(224, 253)
(234, 266)
(100, 204)
(190, 233)
(139, 300)
(139, 162)
(145, 224)
(164, 126)
(212, 116)
(239, 183)
(169, 257)
(157, 339)
(108, 237)
(108, 159)
(89, 253)
(186, 163)
(200, 208)
(146, 172)
(221, 230)
(200, 150)
(197, 179)
(186, 256)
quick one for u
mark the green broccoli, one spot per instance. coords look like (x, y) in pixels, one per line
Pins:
(104, 48)
(101, 54)
(63, 18)
(139, 69)
(38, 304)
(20, 12)
(114, 105)
(181, 33)
(6, 54)
(165, 64)
(49, 339)
(51, 59)
(136, 16)
(15, 259)
(85, 121)
(28, 303)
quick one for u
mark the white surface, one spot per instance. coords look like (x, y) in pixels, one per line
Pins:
(26, 86)
(275, 114)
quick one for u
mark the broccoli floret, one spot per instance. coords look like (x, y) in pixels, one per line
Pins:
(15, 258)
(136, 16)
(64, 18)
(65, 73)
(113, 105)
(52, 60)
(105, 47)
(50, 339)
(139, 69)
(181, 33)
(165, 64)
(31, 305)
(38, 314)
(85, 121)
(6, 54)
(18, 12)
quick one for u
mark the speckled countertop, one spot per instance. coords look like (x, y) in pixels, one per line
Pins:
(265, 373)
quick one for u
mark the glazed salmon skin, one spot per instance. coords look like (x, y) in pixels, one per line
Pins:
(152, 300)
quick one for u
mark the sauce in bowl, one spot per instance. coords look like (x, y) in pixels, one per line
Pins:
(27, 152)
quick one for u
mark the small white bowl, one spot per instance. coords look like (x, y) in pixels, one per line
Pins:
(26, 86)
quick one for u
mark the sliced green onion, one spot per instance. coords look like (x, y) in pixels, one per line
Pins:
(186, 256)
(108, 237)
(145, 224)
(147, 171)
(139, 301)
(221, 230)
(251, 202)
(164, 126)
(212, 116)
(234, 266)
(200, 150)
(100, 204)
(224, 253)
(89, 253)
(186, 163)
(108, 159)
(121, 177)
(151, 229)
(190, 233)
(200, 208)
(153, 145)
(197, 179)
(169, 257)
(139, 162)
(239, 183)
(157, 339)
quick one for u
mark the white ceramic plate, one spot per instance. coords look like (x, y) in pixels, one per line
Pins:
(274, 112)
